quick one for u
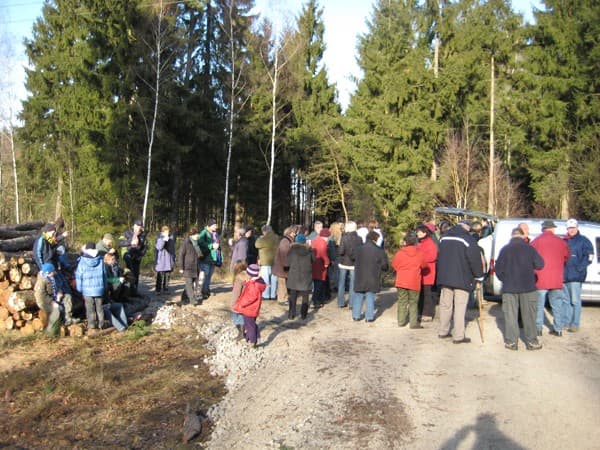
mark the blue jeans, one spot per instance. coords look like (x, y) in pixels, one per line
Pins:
(266, 272)
(558, 302)
(573, 293)
(357, 304)
(115, 313)
(342, 286)
(207, 269)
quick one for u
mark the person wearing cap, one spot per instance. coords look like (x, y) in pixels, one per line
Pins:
(321, 262)
(249, 302)
(349, 242)
(267, 246)
(515, 267)
(459, 265)
(135, 245)
(409, 263)
(299, 280)
(430, 249)
(555, 253)
(581, 256)
(44, 247)
(370, 262)
(92, 281)
(210, 254)
(47, 298)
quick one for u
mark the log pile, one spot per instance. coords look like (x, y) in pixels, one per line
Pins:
(18, 310)
(18, 274)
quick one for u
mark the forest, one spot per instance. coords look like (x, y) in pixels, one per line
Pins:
(178, 111)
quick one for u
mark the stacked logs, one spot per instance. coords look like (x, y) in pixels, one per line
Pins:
(18, 309)
(18, 273)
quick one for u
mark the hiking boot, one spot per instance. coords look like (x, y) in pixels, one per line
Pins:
(512, 346)
(556, 333)
(573, 329)
(464, 340)
(534, 346)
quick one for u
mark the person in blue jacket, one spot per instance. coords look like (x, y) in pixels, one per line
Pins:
(92, 281)
(581, 256)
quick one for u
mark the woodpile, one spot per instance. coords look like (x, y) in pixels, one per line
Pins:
(18, 274)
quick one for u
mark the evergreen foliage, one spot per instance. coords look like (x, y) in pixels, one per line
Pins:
(416, 133)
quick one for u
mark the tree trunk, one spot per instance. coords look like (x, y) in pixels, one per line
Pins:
(17, 244)
(492, 178)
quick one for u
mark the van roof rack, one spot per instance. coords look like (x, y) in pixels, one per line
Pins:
(465, 213)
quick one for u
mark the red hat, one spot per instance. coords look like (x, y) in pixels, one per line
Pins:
(430, 226)
(325, 232)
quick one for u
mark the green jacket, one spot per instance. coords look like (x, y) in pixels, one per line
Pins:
(267, 246)
(205, 243)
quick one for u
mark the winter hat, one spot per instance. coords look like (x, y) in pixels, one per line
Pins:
(466, 222)
(90, 246)
(48, 228)
(572, 223)
(300, 238)
(139, 222)
(48, 267)
(253, 270)
(548, 224)
(325, 232)
(430, 226)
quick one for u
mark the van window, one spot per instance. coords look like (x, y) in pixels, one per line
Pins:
(598, 249)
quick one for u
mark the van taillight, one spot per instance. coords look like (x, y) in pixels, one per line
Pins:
(491, 271)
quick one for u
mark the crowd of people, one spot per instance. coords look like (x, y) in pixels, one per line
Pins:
(349, 258)
(96, 276)
(345, 261)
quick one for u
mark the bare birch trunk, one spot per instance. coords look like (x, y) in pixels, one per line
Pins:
(155, 115)
(491, 180)
(273, 132)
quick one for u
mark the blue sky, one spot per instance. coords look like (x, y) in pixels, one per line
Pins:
(344, 21)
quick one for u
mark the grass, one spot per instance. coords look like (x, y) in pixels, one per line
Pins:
(110, 391)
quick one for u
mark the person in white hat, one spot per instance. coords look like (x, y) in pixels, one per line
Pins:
(582, 254)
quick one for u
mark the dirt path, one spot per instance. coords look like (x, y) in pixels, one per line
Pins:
(329, 382)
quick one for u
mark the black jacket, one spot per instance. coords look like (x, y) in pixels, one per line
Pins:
(516, 266)
(348, 245)
(299, 276)
(370, 261)
(459, 260)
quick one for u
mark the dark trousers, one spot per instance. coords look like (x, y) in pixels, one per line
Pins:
(252, 333)
(162, 281)
(189, 291)
(319, 292)
(527, 303)
(133, 265)
(428, 303)
(293, 298)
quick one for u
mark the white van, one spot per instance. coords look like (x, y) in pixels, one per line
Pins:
(501, 236)
(492, 244)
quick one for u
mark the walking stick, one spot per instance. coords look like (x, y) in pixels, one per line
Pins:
(480, 301)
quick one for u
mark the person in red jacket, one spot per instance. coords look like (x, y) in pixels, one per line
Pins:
(430, 249)
(408, 263)
(320, 264)
(249, 302)
(555, 253)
